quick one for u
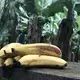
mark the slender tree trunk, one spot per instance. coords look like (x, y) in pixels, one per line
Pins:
(64, 34)
(34, 31)
(12, 21)
(9, 19)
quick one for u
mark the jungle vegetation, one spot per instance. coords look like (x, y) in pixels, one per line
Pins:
(36, 21)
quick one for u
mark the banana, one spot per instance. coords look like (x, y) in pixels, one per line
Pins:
(1, 62)
(42, 61)
(17, 58)
(7, 50)
(9, 62)
(38, 48)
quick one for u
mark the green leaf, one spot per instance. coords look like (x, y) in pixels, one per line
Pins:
(78, 21)
(58, 6)
(42, 4)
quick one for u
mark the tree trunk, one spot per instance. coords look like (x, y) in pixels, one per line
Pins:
(34, 28)
(12, 21)
(34, 31)
(64, 34)
(9, 19)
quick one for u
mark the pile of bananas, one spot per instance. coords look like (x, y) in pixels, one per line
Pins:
(32, 55)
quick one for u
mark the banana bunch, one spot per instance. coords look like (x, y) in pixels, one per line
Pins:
(32, 55)
(7, 51)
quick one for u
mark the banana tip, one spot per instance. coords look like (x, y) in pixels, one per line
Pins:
(65, 65)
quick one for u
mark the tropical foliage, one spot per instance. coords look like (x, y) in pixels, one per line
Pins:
(50, 14)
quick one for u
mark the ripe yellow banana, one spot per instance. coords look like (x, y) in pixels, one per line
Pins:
(38, 48)
(7, 50)
(9, 62)
(42, 60)
(17, 58)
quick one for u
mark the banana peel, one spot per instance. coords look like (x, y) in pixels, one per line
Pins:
(42, 61)
(31, 55)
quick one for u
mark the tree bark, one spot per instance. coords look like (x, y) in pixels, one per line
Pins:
(34, 27)
(64, 34)
(9, 19)
(34, 31)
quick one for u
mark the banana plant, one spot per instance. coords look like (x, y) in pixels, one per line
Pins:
(57, 6)
(42, 4)
(51, 28)
(52, 6)
(76, 36)
(23, 18)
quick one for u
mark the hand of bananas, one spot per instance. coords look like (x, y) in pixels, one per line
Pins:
(32, 55)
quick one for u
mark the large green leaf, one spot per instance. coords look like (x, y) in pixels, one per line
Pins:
(29, 6)
(78, 21)
(58, 5)
(42, 4)
(77, 8)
